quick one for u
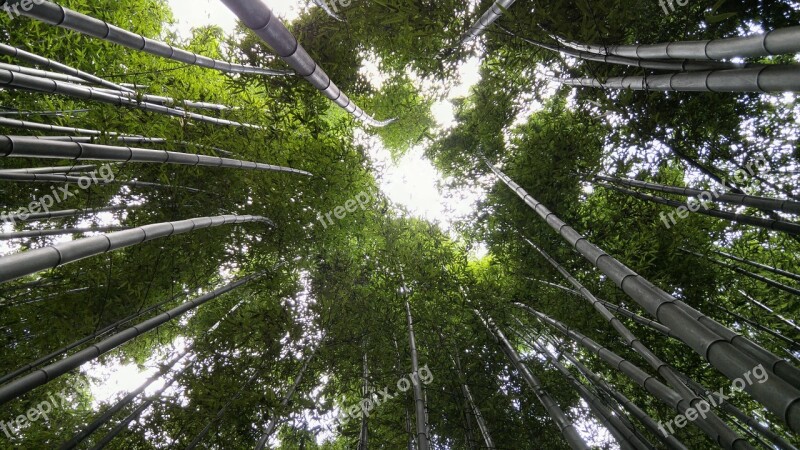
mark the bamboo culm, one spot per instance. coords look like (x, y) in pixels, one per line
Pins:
(258, 17)
(26, 147)
(775, 393)
(763, 203)
(16, 80)
(57, 15)
(754, 79)
(58, 232)
(423, 440)
(769, 224)
(26, 263)
(25, 384)
(566, 427)
(739, 270)
(486, 20)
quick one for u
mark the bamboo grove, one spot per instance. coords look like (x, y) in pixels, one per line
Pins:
(164, 204)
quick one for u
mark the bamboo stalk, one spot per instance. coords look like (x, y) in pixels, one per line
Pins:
(42, 73)
(486, 20)
(25, 384)
(755, 276)
(776, 78)
(774, 270)
(763, 203)
(22, 146)
(22, 81)
(57, 15)
(258, 17)
(775, 393)
(26, 263)
(58, 232)
(769, 224)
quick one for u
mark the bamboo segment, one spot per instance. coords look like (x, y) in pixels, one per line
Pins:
(42, 73)
(44, 170)
(13, 217)
(57, 15)
(258, 17)
(21, 81)
(25, 384)
(757, 79)
(776, 42)
(769, 224)
(487, 19)
(57, 66)
(763, 203)
(775, 393)
(32, 261)
(57, 232)
(21, 146)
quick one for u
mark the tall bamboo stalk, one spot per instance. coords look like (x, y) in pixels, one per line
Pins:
(423, 441)
(775, 393)
(57, 66)
(763, 203)
(774, 270)
(363, 436)
(15, 80)
(487, 438)
(566, 427)
(725, 436)
(27, 383)
(769, 310)
(775, 42)
(58, 232)
(486, 20)
(755, 276)
(25, 263)
(63, 213)
(273, 422)
(54, 14)
(258, 17)
(769, 224)
(56, 169)
(755, 79)
(26, 147)
(42, 73)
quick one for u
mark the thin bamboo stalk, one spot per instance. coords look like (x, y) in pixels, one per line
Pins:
(775, 393)
(769, 224)
(25, 384)
(487, 438)
(57, 15)
(58, 232)
(763, 203)
(61, 213)
(486, 20)
(57, 169)
(21, 81)
(25, 263)
(57, 66)
(22, 146)
(755, 276)
(258, 17)
(42, 73)
(769, 310)
(423, 440)
(776, 78)
(566, 427)
(776, 42)
(774, 270)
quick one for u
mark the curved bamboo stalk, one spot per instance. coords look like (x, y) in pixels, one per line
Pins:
(776, 42)
(22, 81)
(775, 393)
(624, 436)
(258, 17)
(22, 146)
(57, 66)
(769, 224)
(62, 213)
(18, 265)
(324, 6)
(123, 402)
(25, 384)
(769, 310)
(680, 66)
(639, 376)
(566, 428)
(713, 425)
(762, 203)
(57, 15)
(774, 270)
(669, 440)
(42, 73)
(776, 78)
(486, 20)
(49, 357)
(739, 270)
(58, 232)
